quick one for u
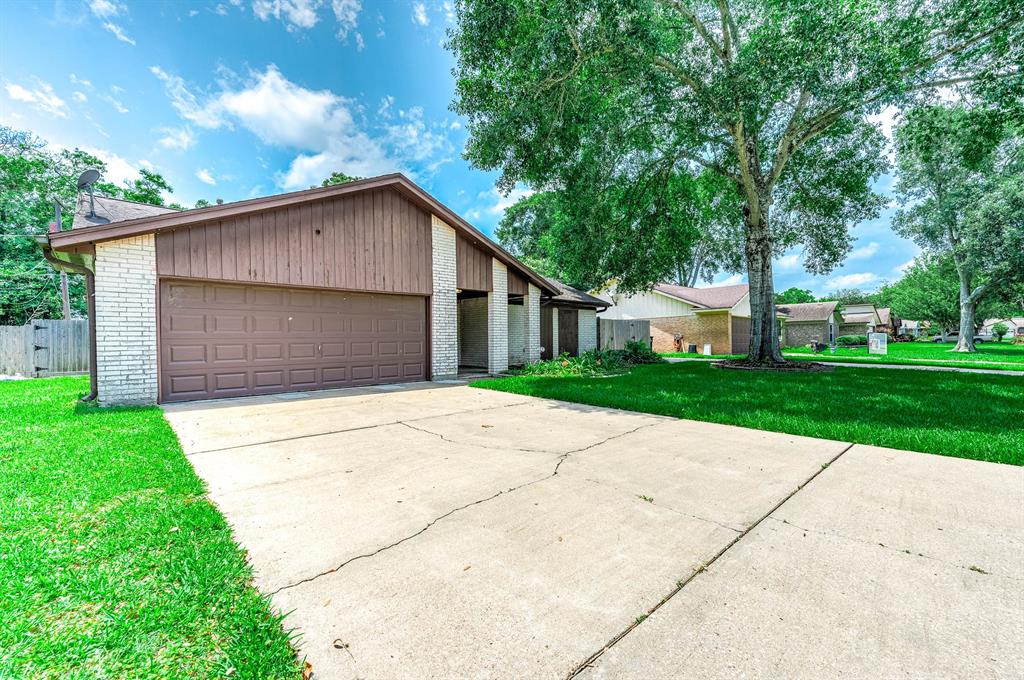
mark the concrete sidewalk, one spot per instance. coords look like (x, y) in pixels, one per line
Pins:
(444, 532)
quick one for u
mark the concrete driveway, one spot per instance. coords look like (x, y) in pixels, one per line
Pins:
(431, 531)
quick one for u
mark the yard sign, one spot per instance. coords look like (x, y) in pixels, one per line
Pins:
(878, 343)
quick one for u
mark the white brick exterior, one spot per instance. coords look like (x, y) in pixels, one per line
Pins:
(444, 334)
(553, 311)
(497, 319)
(587, 319)
(126, 355)
(517, 335)
(531, 306)
(473, 332)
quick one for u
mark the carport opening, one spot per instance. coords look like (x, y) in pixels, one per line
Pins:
(472, 330)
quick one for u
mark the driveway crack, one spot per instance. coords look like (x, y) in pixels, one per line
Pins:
(590, 660)
(554, 473)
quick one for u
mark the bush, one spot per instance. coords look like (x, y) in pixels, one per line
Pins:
(595, 362)
(851, 340)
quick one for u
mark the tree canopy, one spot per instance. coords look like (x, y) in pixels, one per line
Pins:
(621, 97)
(794, 296)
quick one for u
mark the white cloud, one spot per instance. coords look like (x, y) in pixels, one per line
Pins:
(41, 97)
(177, 138)
(221, 9)
(79, 97)
(193, 12)
(105, 8)
(360, 43)
(347, 14)
(456, 125)
(118, 106)
(731, 280)
(419, 14)
(788, 263)
(449, 11)
(295, 13)
(902, 268)
(80, 81)
(498, 203)
(118, 32)
(185, 102)
(413, 138)
(118, 169)
(850, 280)
(204, 176)
(865, 252)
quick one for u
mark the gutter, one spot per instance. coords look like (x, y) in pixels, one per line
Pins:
(90, 297)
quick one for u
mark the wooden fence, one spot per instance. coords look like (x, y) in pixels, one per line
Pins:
(613, 333)
(45, 347)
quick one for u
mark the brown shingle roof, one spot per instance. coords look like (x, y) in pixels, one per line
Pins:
(884, 314)
(710, 298)
(808, 311)
(574, 295)
(112, 210)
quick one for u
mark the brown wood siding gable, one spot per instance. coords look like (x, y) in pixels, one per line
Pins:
(473, 268)
(517, 285)
(373, 241)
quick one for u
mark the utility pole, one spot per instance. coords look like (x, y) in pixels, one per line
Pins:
(65, 302)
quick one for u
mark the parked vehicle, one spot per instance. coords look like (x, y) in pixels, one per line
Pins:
(953, 337)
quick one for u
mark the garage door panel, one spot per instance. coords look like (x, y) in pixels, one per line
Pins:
(230, 340)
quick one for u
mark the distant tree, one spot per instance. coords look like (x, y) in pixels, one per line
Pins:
(622, 96)
(847, 296)
(688, 238)
(147, 188)
(999, 330)
(202, 203)
(794, 296)
(961, 182)
(337, 178)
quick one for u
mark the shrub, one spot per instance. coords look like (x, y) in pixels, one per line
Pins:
(851, 340)
(595, 362)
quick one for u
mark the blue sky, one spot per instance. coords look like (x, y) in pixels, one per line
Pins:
(240, 98)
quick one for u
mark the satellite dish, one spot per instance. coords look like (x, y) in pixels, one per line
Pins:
(85, 181)
(87, 178)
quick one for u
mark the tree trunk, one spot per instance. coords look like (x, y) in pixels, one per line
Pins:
(968, 305)
(764, 325)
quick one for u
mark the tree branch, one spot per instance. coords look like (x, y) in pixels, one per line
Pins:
(699, 25)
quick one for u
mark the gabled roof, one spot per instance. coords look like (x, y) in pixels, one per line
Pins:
(884, 315)
(808, 311)
(575, 296)
(108, 210)
(720, 297)
(858, 318)
(170, 219)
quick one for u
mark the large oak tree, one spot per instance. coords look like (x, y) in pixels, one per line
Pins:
(582, 96)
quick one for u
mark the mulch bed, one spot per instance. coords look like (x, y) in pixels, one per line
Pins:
(784, 367)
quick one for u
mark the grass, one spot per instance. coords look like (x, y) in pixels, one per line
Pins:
(112, 561)
(953, 414)
(993, 355)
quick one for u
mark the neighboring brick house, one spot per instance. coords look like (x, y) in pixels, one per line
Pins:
(809, 322)
(1014, 327)
(682, 317)
(861, 319)
(363, 283)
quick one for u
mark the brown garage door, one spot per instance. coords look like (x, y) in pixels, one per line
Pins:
(221, 340)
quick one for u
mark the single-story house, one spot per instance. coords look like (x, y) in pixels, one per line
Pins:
(810, 322)
(888, 322)
(369, 282)
(860, 319)
(1014, 326)
(681, 316)
(912, 328)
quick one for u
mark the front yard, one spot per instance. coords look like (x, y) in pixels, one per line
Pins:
(992, 355)
(954, 414)
(112, 561)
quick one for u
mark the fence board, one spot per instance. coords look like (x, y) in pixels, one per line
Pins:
(45, 347)
(614, 333)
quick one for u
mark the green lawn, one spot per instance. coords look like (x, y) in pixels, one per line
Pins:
(996, 355)
(954, 414)
(113, 563)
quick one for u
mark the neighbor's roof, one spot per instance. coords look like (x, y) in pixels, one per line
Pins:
(112, 210)
(884, 314)
(574, 295)
(858, 318)
(709, 298)
(808, 311)
(163, 219)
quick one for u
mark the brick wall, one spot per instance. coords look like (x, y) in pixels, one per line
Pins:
(473, 332)
(497, 319)
(852, 329)
(696, 330)
(587, 320)
(800, 334)
(126, 355)
(444, 336)
(532, 307)
(516, 335)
